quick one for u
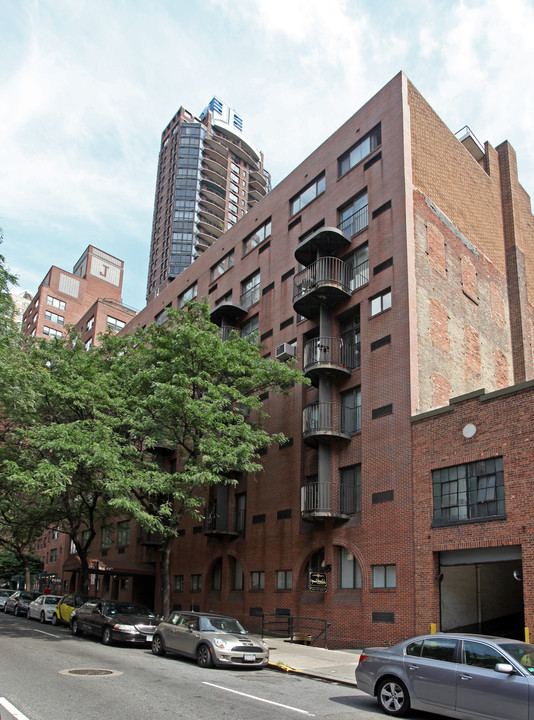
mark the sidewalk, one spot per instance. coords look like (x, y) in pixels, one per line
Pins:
(334, 665)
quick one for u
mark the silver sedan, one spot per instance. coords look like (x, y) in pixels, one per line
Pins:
(457, 675)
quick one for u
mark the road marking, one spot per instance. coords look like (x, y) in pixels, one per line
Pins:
(254, 697)
(12, 709)
(43, 632)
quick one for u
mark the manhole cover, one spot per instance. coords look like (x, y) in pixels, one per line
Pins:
(85, 672)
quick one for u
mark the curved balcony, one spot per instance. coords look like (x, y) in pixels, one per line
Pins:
(214, 164)
(215, 177)
(322, 500)
(206, 238)
(325, 241)
(329, 356)
(216, 152)
(258, 177)
(209, 216)
(323, 421)
(254, 194)
(227, 314)
(214, 207)
(326, 282)
(230, 522)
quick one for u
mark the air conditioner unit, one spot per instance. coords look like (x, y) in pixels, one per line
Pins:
(285, 351)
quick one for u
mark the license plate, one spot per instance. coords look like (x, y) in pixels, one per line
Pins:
(249, 658)
(149, 638)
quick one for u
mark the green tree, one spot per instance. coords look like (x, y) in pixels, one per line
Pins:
(6, 303)
(62, 440)
(197, 398)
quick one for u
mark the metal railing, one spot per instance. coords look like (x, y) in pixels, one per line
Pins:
(331, 351)
(355, 222)
(325, 497)
(293, 625)
(230, 520)
(325, 271)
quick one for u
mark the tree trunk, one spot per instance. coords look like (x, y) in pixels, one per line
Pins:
(165, 571)
(27, 577)
(84, 574)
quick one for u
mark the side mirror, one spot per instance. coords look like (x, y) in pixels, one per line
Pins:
(505, 668)
(191, 627)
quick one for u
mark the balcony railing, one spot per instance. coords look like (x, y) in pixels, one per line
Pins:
(250, 297)
(230, 521)
(331, 355)
(326, 281)
(355, 222)
(327, 420)
(360, 275)
(328, 499)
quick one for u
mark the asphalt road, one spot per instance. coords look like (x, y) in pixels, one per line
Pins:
(35, 684)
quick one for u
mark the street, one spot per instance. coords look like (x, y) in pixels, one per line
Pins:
(35, 683)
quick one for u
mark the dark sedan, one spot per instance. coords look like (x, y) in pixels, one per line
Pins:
(114, 621)
(457, 675)
(19, 602)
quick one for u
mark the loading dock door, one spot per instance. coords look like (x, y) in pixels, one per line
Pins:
(482, 591)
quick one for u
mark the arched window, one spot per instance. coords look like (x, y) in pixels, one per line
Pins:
(315, 564)
(350, 577)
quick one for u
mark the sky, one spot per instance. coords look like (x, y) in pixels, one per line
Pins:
(87, 87)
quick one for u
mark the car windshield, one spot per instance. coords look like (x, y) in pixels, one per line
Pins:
(50, 600)
(222, 624)
(6, 593)
(523, 653)
(118, 608)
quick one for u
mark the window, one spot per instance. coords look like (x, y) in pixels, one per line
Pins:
(257, 237)
(179, 583)
(350, 489)
(237, 575)
(216, 575)
(86, 535)
(470, 491)
(250, 290)
(55, 533)
(249, 327)
(90, 324)
(196, 583)
(381, 302)
(384, 576)
(284, 580)
(443, 649)
(354, 216)
(240, 511)
(361, 150)
(189, 294)
(350, 338)
(114, 324)
(310, 192)
(360, 267)
(351, 410)
(54, 317)
(54, 302)
(257, 580)
(106, 536)
(88, 343)
(350, 577)
(53, 556)
(222, 266)
(52, 332)
(479, 655)
(123, 533)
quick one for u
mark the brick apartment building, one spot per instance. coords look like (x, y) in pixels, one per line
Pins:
(396, 265)
(90, 299)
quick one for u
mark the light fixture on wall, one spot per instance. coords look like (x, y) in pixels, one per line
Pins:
(518, 576)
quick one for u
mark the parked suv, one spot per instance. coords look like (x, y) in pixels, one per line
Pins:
(211, 639)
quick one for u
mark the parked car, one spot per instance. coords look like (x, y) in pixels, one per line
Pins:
(457, 675)
(19, 602)
(43, 607)
(4, 594)
(114, 621)
(66, 605)
(211, 639)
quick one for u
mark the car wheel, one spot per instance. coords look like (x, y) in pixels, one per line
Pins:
(74, 628)
(393, 697)
(42, 617)
(204, 656)
(158, 648)
(54, 619)
(106, 636)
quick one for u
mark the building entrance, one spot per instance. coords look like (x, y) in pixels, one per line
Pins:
(482, 591)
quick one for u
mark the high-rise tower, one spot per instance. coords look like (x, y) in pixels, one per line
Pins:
(209, 175)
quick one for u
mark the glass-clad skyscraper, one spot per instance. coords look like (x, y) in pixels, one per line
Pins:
(209, 175)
